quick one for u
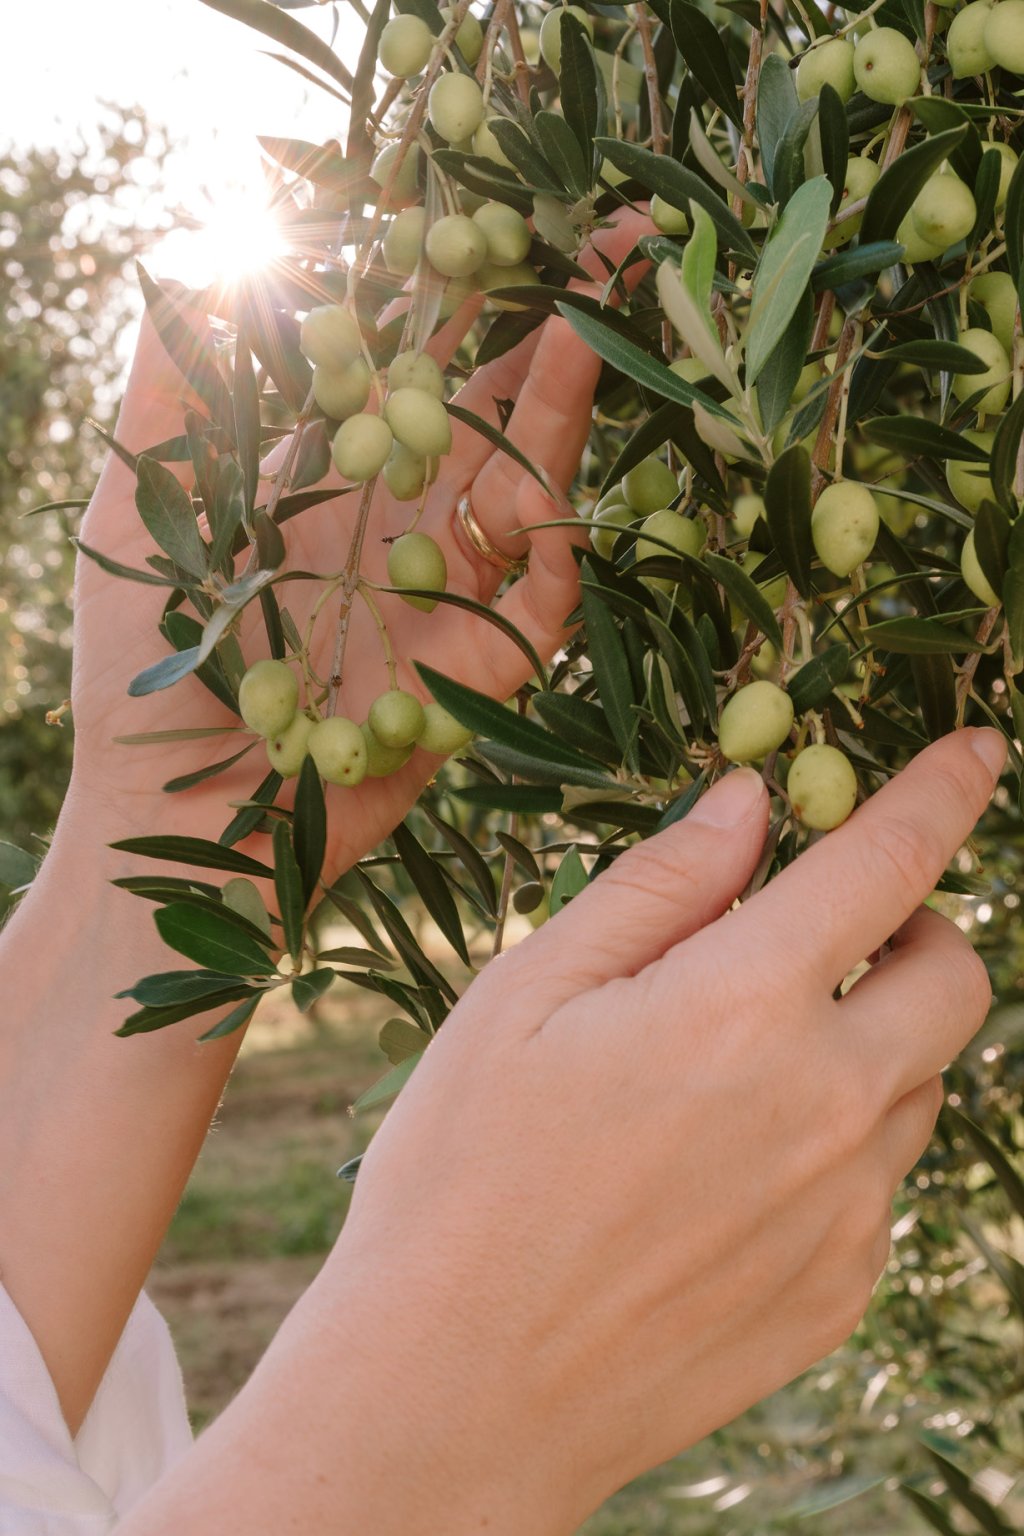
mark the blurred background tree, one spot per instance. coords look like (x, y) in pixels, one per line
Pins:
(72, 221)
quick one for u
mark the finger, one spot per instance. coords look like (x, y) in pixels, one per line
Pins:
(918, 1007)
(844, 897)
(908, 1129)
(654, 895)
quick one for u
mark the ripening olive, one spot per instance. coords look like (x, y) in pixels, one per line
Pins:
(649, 486)
(844, 526)
(969, 481)
(381, 760)
(396, 718)
(830, 63)
(485, 144)
(361, 447)
(417, 560)
(469, 38)
(403, 241)
(551, 33)
(489, 276)
(755, 721)
(995, 381)
(268, 697)
(341, 392)
(442, 734)
(456, 107)
(456, 245)
(330, 335)
(419, 420)
(1007, 165)
(1004, 35)
(405, 473)
(405, 46)
(822, 787)
(670, 220)
(944, 211)
(965, 41)
(746, 510)
(996, 292)
(914, 248)
(974, 577)
(286, 753)
(337, 748)
(608, 524)
(861, 174)
(416, 370)
(403, 188)
(885, 66)
(506, 232)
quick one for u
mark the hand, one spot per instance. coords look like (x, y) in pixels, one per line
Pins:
(551, 376)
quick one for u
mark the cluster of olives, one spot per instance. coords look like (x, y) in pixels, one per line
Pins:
(344, 752)
(821, 783)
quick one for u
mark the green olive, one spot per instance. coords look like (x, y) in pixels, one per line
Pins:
(341, 392)
(455, 107)
(456, 245)
(649, 486)
(337, 748)
(396, 718)
(403, 241)
(405, 46)
(886, 67)
(822, 787)
(381, 760)
(995, 381)
(268, 697)
(970, 482)
(844, 526)
(416, 370)
(1004, 35)
(330, 335)
(416, 560)
(965, 41)
(361, 447)
(506, 232)
(442, 734)
(286, 753)
(551, 33)
(830, 63)
(755, 721)
(419, 420)
(974, 577)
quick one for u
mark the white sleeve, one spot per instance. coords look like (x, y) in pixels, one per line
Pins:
(136, 1427)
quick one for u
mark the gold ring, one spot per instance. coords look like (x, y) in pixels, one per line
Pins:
(482, 544)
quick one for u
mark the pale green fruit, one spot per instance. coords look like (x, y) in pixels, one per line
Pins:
(612, 519)
(442, 734)
(965, 41)
(486, 145)
(286, 753)
(506, 233)
(330, 335)
(755, 721)
(671, 221)
(970, 482)
(745, 512)
(915, 249)
(456, 245)
(611, 173)
(944, 211)
(1004, 35)
(844, 526)
(530, 39)
(997, 295)
(396, 718)
(774, 590)
(974, 577)
(765, 661)
(404, 187)
(1007, 157)
(405, 46)
(337, 748)
(241, 896)
(268, 697)
(551, 33)
(649, 486)
(469, 39)
(419, 420)
(995, 382)
(416, 370)
(361, 447)
(684, 534)
(456, 107)
(689, 368)
(810, 374)
(341, 392)
(489, 276)
(861, 174)
(405, 473)
(831, 64)
(616, 497)
(416, 560)
(403, 241)
(822, 787)
(885, 66)
(381, 760)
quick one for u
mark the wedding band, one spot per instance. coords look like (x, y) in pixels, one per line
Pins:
(482, 544)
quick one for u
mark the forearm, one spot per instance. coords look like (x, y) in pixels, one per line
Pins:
(98, 1134)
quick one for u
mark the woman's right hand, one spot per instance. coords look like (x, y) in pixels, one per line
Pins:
(640, 1180)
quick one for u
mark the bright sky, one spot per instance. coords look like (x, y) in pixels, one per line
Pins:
(201, 75)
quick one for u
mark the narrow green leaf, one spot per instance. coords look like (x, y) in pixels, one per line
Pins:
(746, 595)
(862, 261)
(18, 867)
(496, 438)
(195, 851)
(693, 324)
(200, 775)
(914, 636)
(489, 616)
(933, 353)
(115, 568)
(1013, 216)
(1004, 454)
(249, 817)
(388, 1086)
(164, 673)
(611, 671)
(897, 187)
(398, 931)
(211, 941)
(1011, 1181)
(562, 149)
(233, 1020)
(811, 685)
(935, 687)
(288, 888)
(432, 887)
(527, 799)
(579, 722)
(677, 185)
(782, 370)
(834, 133)
(787, 497)
(167, 987)
(188, 342)
(776, 102)
(399, 1039)
(487, 718)
(145, 1020)
(524, 765)
(530, 163)
(697, 40)
(789, 173)
(471, 859)
(930, 1510)
(915, 436)
(992, 542)
(309, 826)
(166, 509)
(311, 986)
(581, 89)
(284, 29)
(246, 405)
(784, 270)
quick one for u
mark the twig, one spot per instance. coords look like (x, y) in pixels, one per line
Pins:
(348, 592)
(643, 26)
(965, 676)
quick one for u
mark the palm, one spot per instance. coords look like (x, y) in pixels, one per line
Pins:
(551, 376)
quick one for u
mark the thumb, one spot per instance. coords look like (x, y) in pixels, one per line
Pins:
(656, 894)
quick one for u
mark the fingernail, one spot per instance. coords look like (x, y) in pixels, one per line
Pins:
(730, 801)
(990, 746)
